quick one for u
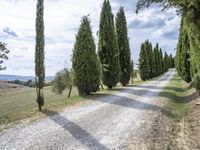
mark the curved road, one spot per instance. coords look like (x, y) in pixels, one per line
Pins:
(106, 123)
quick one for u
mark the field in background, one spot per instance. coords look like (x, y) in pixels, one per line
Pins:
(18, 102)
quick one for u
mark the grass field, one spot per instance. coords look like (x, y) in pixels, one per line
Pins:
(20, 103)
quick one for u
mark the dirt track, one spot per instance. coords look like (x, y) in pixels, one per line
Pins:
(117, 121)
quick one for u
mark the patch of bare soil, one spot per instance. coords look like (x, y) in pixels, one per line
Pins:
(192, 126)
(169, 133)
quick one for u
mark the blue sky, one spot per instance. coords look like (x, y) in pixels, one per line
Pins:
(62, 20)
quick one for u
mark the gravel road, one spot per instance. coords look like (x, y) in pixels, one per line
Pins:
(106, 123)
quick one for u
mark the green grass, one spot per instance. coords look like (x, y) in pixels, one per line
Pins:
(179, 94)
(18, 104)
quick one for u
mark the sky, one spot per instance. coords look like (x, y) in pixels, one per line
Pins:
(62, 20)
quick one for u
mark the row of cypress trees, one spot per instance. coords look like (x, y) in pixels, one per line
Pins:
(112, 62)
(186, 63)
(190, 12)
(152, 63)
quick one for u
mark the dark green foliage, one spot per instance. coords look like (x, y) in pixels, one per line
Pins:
(196, 81)
(151, 62)
(108, 47)
(132, 71)
(124, 49)
(3, 55)
(144, 67)
(166, 62)
(84, 60)
(172, 63)
(183, 55)
(150, 57)
(63, 80)
(39, 54)
(157, 62)
(161, 62)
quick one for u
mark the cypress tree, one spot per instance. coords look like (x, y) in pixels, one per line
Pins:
(144, 63)
(166, 62)
(149, 51)
(183, 55)
(39, 54)
(132, 71)
(108, 47)
(84, 60)
(186, 59)
(157, 62)
(124, 49)
(161, 62)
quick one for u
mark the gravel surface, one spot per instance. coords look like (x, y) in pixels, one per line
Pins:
(110, 122)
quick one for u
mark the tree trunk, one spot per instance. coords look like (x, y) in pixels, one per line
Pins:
(101, 86)
(39, 95)
(70, 89)
(39, 106)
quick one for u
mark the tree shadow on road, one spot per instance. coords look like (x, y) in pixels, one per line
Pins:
(129, 102)
(157, 87)
(75, 130)
(167, 93)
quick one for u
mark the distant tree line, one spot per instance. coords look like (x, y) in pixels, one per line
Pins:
(152, 63)
(29, 83)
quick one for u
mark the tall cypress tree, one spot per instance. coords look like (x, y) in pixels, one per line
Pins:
(150, 57)
(124, 49)
(108, 47)
(157, 62)
(39, 54)
(161, 62)
(85, 62)
(183, 55)
(144, 63)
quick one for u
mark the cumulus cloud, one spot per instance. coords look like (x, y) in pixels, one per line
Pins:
(62, 20)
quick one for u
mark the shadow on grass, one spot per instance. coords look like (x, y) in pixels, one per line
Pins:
(75, 130)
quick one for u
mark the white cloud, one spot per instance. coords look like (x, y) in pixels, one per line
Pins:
(62, 20)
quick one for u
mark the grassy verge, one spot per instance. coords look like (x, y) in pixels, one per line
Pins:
(179, 94)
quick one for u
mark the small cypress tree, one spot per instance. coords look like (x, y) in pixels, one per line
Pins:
(108, 47)
(39, 54)
(124, 49)
(144, 63)
(84, 60)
